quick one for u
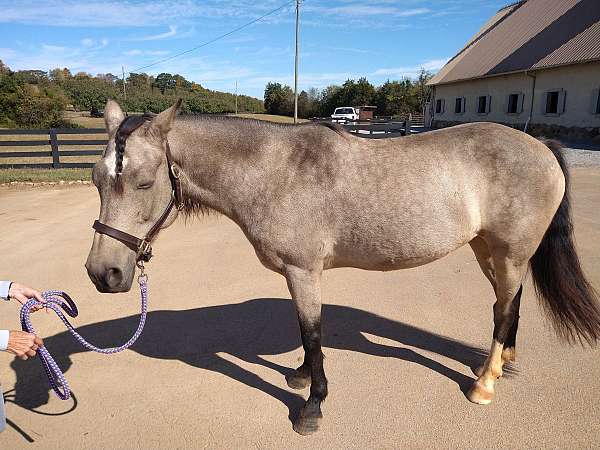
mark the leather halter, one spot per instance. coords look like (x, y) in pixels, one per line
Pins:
(143, 247)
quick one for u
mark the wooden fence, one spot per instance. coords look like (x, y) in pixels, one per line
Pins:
(56, 148)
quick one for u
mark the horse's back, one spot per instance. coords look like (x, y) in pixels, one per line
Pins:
(408, 201)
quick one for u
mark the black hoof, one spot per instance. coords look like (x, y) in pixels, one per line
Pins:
(297, 380)
(307, 425)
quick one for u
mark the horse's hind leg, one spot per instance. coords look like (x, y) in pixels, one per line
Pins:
(305, 287)
(484, 258)
(509, 274)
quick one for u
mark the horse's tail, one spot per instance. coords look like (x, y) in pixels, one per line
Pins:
(567, 296)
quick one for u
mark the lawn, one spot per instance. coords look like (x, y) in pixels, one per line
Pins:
(83, 119)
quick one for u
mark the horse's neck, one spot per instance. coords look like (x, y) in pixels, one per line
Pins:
(222, 163)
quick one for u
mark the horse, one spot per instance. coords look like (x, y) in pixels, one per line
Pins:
(311, 198)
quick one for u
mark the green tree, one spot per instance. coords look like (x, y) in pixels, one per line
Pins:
(3, 68)
(396, 98)
(279, 99)
(164, 81)
(422, 91)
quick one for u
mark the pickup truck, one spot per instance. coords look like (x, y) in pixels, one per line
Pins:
(345, 113)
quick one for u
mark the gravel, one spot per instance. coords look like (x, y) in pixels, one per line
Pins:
(582, 158)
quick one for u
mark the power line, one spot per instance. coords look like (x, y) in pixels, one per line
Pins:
(204, 44)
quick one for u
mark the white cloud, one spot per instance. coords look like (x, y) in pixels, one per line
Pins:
(373, 10)
(91, 43)
(172, 32)
(411, 71)
(137, 52)
(113, 13)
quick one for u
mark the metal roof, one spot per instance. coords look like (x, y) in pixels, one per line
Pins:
(528, 35)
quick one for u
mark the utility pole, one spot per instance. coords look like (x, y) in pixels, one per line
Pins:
(124, 93)
(236, 109)
(296, 62)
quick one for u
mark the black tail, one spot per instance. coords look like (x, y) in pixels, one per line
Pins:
(566, 295)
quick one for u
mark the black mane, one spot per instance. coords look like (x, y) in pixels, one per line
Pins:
(128, 126)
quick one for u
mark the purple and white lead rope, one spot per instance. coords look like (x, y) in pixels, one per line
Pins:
(57, 300)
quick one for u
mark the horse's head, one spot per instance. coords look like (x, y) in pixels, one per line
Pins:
(135, 187)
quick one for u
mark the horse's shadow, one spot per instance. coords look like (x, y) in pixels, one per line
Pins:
(247, 330)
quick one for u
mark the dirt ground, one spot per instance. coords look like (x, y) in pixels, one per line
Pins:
(208, 370)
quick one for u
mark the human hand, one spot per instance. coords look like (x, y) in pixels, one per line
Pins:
(23, 293)
(22, 344)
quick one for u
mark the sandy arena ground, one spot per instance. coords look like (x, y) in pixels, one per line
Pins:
(208, 370)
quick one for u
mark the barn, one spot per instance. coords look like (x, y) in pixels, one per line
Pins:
(535, 65)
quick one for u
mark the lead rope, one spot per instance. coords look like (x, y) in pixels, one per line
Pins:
(57, 300)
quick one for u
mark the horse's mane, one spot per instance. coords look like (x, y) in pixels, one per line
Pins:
(127, 126)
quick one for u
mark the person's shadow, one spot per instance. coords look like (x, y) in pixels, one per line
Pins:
(246, 330)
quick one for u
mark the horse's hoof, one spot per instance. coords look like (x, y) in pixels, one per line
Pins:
(480, 394)
(307, 425)
(296, 380)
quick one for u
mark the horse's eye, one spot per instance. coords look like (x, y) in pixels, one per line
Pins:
(147, 185)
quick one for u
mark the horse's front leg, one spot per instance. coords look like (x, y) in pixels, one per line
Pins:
(305, 287)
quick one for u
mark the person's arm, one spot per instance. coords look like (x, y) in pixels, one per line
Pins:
(4, 289)
(4, 334)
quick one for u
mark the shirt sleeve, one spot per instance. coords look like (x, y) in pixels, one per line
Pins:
(3, 339)
(4, 288)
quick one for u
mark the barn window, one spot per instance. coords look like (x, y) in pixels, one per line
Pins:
(459, 105)
(483, 104)
(439, 106)
(514, 104)
(555, 102)
(597, 101)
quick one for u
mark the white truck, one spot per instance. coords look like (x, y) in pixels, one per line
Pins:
(345, 113)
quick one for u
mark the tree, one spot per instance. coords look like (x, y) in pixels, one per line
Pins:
(33, 76)
(181, 83)
(139, 80)
(164, 81)
(4, 69)
(279, 99)
(422, 90)
(396, 98)
(108, 77)
(60, 74)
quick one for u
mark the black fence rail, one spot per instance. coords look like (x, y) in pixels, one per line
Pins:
(375, 128)
(56, 145)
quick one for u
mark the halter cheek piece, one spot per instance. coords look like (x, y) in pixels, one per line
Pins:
(143, 247)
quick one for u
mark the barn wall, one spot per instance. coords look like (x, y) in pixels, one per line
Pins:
(579, 82)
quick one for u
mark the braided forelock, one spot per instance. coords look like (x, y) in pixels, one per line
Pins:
(128, 126)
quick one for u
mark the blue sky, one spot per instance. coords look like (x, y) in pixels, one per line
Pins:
(340, 39)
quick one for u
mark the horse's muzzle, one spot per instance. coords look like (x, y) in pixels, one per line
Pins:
(109, 279)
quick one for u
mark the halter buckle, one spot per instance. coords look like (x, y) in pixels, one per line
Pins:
(144, 251)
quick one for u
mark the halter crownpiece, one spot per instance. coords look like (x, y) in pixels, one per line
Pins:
(142, 247)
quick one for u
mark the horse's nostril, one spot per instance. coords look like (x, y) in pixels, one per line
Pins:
(113, 277)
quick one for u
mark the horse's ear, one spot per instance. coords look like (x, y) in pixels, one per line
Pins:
(113, 116)
(162, 123)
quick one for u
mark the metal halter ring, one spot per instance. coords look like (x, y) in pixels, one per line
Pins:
(143, 276)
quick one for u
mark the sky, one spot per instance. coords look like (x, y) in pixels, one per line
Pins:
(339, 39)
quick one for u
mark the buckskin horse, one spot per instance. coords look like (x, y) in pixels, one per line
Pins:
(314, 197)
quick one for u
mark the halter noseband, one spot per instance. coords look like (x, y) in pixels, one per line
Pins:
(143, 247)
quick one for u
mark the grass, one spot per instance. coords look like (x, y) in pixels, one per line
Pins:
(44, 175)
(81, 118)
(270, 118)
